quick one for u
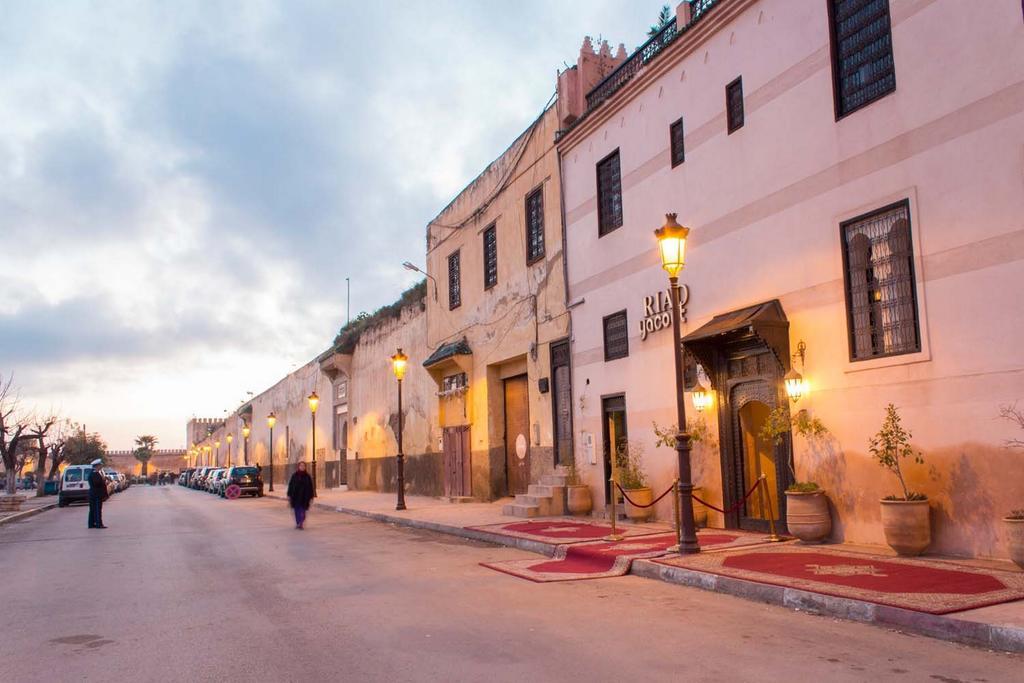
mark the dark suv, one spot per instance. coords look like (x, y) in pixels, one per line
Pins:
(246, 477)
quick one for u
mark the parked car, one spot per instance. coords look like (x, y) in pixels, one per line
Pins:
(74, 485)
(247, 478)
(213, 481)
(185, 476)
(198, 477)
(111, 483)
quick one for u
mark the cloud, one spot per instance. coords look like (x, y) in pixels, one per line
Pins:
(184, 187)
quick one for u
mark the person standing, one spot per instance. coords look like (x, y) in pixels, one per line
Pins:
(97, 494)
(300, 494)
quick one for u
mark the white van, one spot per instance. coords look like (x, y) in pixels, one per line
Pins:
(74, 484)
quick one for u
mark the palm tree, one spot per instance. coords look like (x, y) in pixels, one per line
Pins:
(664, 16)
(145, 445)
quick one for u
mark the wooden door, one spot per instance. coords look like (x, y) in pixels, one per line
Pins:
(517, 434)
(457, 463)
(561, 393)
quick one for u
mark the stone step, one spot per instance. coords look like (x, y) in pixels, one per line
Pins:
(517, 510)
(554, 480)
(542, 490)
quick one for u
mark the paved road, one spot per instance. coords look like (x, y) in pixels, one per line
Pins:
(187, 587)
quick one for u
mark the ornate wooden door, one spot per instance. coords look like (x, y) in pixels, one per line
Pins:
(517, 434)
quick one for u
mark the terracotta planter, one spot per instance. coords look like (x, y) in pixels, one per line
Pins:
(578, 499)
(642, 496)
(807, 515)
(1015, 542)
(11, 503)
(907, 525)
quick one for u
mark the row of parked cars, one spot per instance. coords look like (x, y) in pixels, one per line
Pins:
(217, 480)
(74, 483)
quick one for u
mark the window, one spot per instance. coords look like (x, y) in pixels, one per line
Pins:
(881, 296)
(341, 391)
(454, 382)
(609, 194)
(535, 225)
(490, 256)
(734, 104)
(616, 336)
(454, 282)
(675, 134)
(862, 63)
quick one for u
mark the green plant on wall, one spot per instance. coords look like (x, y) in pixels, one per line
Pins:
(572, 474)
(696, 427)
(890, 446)
(628, 460)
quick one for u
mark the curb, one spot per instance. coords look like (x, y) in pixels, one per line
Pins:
(26, 514)
(943, 627)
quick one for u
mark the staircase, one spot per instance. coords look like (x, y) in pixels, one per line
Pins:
(546, 499)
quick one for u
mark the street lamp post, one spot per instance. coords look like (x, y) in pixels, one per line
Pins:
(271, 421)
(245, 443)
(399, 361)
(216, 453)
(672, 245)
(314, 401)
(230, 438)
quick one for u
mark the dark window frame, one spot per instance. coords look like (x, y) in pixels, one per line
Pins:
(837, 99)
(532, 258)
(677, 142)
(490, 278)
(603, 221)
(604, 332)
(732, 124)
(455, 286)
(851, 329)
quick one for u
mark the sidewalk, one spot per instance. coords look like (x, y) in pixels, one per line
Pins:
(999, 627)
(31, 506)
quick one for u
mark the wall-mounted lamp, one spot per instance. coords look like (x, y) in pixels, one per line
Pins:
(796, 385)
(701, 397)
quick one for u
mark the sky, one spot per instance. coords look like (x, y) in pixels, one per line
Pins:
(185, 186)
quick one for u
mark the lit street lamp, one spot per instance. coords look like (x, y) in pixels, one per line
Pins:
(245, 443)
(216, 453)
(398, 364)
(230, 438)
(271, 421)
(672, 245)
(314, 401)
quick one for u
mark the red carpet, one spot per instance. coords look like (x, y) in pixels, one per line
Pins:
(918, 584)
(561, 530)
(603, 559)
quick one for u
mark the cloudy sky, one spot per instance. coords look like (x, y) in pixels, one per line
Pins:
(185, 186)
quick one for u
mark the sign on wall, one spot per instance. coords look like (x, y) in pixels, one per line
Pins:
(658, 311)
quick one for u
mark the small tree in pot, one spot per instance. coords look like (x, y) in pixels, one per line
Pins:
(807, 512)
(906, 519)
(1014, 521)
(578, 499)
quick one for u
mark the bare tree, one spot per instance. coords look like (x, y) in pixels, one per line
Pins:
(14, 425)
(40, 431)
(59, 445)
(1013, 414)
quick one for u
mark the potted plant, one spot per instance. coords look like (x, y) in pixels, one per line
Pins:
(1015, 533)
(807, 513)
(906, 519)
(633, 481)
(578, 500)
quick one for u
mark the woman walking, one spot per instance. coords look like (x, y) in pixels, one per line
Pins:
(300, 494)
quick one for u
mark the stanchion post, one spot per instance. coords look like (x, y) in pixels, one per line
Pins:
(614, 535)
(676, 517)
(773, 536)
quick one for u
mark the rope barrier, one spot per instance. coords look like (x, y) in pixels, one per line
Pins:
(637, 505)
(735, 507)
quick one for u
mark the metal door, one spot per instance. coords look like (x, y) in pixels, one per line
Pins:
(457, 468)
(517, 434)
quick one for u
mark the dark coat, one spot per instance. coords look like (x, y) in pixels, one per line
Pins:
(300, 490)
(98, 486)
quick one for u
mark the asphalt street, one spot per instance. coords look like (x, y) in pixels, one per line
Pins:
(184, 586)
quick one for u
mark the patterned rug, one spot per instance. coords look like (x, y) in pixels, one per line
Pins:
(561, 531)
(603, 559)
(918, 584)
